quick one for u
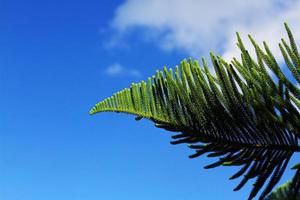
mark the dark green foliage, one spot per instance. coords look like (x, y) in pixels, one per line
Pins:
(284, 192)
(240, 115)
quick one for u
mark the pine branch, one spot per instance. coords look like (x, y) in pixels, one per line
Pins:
(240, 115)
(285, 192)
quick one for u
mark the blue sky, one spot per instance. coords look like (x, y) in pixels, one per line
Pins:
(58, 58)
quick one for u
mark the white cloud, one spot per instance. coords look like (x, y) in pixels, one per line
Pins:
(200, 26)
(116, 69)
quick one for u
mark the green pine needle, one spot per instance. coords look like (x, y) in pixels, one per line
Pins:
(241, 114)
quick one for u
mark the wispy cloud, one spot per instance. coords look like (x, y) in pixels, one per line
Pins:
(114, 69)
(117, 70)
(198, 27)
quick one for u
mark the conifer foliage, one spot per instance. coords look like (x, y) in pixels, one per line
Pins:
(284, 192)
(240, 115)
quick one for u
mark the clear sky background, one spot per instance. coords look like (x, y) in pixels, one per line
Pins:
(60, 57)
